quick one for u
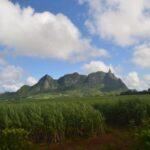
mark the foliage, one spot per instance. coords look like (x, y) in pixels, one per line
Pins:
(13, 139)
(82, 123)
(123, 112)
(52, 122)
(135, 92)
(55, 119)
(143, 138)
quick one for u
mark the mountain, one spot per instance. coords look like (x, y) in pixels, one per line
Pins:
(71, 81)
(112, 83)
(94, 83)
(45, 84)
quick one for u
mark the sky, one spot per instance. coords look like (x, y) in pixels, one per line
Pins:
(58, 37)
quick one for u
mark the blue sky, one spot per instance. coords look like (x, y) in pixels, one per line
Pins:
(56, 37)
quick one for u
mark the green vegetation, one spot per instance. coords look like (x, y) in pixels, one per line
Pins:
(13, 139)
(143, 140)
(124, 113)
(54, 120)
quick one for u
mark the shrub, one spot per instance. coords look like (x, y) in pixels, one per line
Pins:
(143, 140)
(13, 139)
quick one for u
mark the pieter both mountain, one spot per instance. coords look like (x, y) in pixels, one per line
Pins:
(92, 84)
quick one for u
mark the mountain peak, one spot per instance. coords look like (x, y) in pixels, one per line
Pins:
(111, 75)
(97, 72)
(96, 82)
(75, 73)
(46, 77)
(109, 71)
(112, 83)
(70, 81)
(45, 84)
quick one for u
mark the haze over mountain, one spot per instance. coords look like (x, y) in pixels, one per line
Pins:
(92, 84)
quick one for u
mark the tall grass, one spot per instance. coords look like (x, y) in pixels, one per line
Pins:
(60, 118)
(122, 113)
(52, 122)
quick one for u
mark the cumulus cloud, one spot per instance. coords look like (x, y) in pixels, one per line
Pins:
(31, 81)
(125, 22)
(141, 56)
(95, 66)
(133, 81)
(11, 72)
(13, 77)
(43, 35)
(10, 87)
(147, 80)
(10, 78)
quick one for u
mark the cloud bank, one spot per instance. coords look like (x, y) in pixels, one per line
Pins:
(125, 22)
(43, 35)
(133, 81)
(95, 66)
(12, 78)
(141, 56)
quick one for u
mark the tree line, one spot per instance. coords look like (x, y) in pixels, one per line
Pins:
(135, 92)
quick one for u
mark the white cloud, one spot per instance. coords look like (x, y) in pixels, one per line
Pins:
(10, 78)
(13, 77)
(31, 81)
(125, 22)
(11, 87)
(142, 56)
(44, 35)
(95, 66)
(147, 80)
(11, 73)
(133, 81)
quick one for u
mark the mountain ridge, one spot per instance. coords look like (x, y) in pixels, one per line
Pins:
(96, 82)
